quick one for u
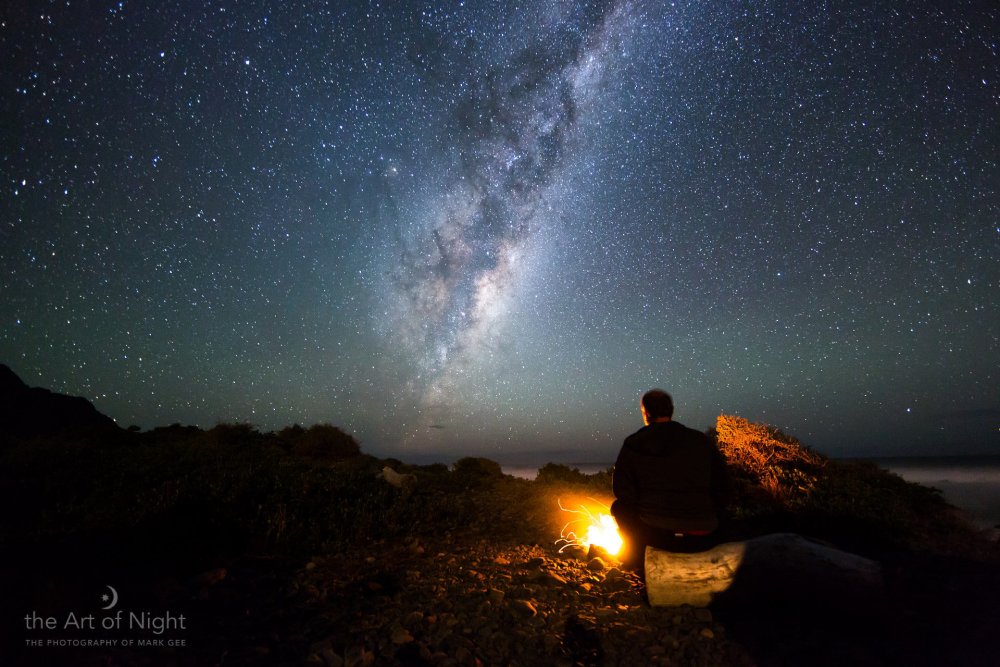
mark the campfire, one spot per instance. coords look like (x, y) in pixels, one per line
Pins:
(593, 527)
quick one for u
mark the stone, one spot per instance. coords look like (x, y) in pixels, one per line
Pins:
(332, 659)
(550, 578)
(521, 592)
(702, 614)
(523, 608)
(401, 635)
(211, 577)
(321, 654)
(359, 656)
(596, 564)
(396, 479)
(596, 551)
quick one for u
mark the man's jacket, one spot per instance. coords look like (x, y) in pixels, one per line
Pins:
(667, 473)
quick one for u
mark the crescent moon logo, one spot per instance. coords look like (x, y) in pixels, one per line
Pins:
(114, 598)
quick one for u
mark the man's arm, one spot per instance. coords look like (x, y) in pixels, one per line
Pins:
(623, 481)
(721, 480)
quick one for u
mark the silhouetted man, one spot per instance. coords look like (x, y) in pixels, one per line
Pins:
(665, 481)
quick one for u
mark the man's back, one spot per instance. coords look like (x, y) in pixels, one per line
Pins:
(665, 471)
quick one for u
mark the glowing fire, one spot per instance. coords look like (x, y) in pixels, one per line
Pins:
(599, 529)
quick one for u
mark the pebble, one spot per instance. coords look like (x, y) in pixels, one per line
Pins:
(401, 635)
(211, 577)
(550, 578)
(574, 551)
(523, 607)
(596, 564)
(359, 656)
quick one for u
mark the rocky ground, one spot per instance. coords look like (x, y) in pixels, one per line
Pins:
(438, 604)
(455, 601)
(469, 571)
(433, 602)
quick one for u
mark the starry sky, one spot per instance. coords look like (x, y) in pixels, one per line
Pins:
(488, 227)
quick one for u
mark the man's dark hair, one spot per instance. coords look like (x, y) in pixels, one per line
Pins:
(658, 404)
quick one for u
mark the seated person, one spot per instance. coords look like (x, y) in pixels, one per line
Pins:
(665, 483)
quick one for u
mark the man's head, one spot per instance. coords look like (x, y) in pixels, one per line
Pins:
(657, 406)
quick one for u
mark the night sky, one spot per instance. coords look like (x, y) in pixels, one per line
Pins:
(486, 228)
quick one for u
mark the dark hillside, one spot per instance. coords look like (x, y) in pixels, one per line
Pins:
(27, 412)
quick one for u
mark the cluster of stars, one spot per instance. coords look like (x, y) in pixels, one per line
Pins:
(489, 227)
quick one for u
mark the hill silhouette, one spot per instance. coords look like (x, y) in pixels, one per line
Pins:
(27, 412)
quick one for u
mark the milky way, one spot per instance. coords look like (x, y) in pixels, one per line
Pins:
(488, 227)
(514, 126)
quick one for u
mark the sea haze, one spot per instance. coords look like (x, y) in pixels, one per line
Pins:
(971, 483)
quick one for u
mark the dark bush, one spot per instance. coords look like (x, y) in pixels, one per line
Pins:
(557, 472)
(433, 468)
(473, 466)
(321, 442)
(233, 434)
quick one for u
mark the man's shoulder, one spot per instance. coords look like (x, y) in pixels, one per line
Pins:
(641, 435)
(688, 432)
(663, 433)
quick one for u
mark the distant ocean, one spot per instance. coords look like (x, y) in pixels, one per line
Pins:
(970, 483)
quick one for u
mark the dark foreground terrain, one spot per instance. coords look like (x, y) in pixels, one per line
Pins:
(233, 547)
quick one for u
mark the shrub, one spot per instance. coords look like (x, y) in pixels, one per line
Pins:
(321, 442)
(556, 473)
(242, 434)
(767, 466)
(478, 467)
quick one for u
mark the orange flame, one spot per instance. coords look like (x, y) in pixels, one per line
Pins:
(599, 529)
